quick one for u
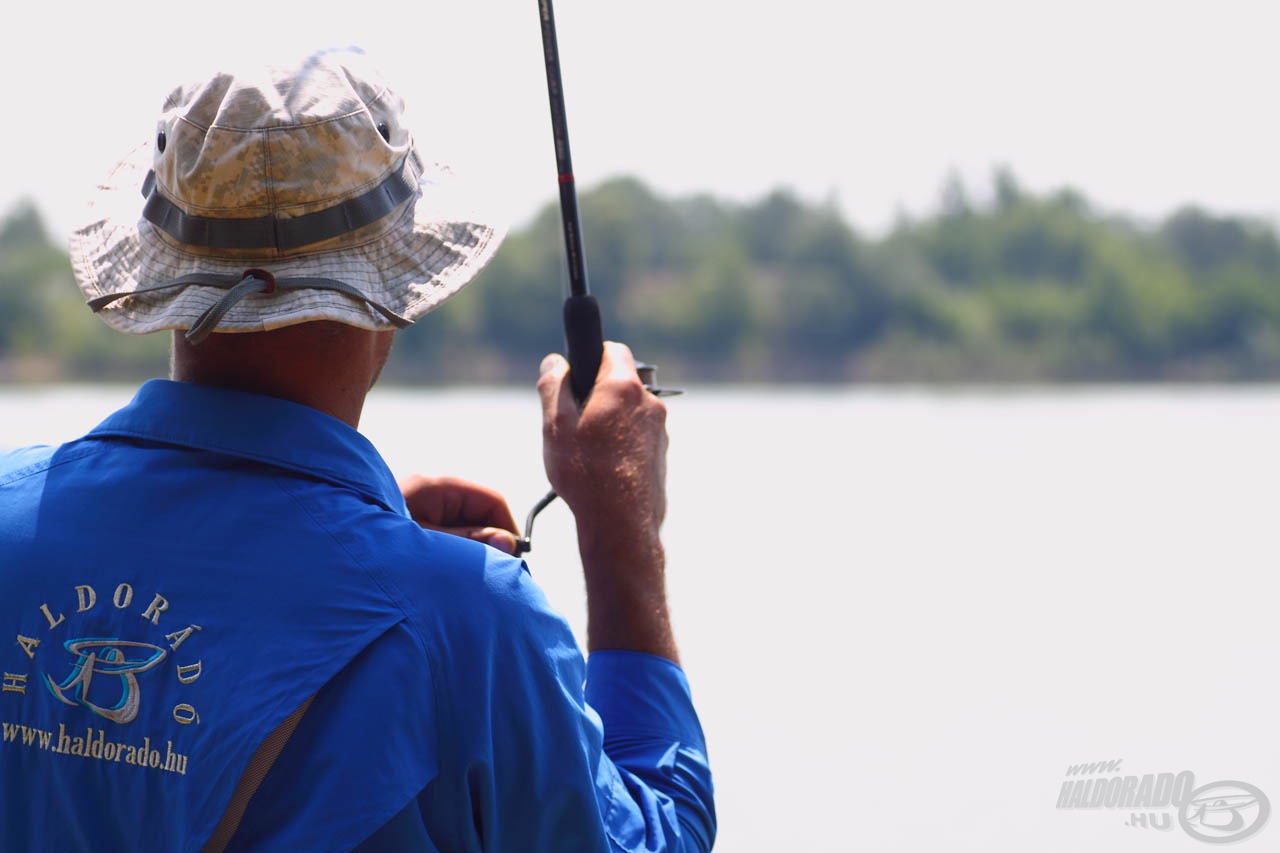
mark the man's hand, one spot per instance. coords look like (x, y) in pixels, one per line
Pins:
(609, 463)
(609, 460)
(462, 508)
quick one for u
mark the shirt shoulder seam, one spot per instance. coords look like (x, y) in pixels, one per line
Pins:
(48, 464)
(396, 598)
(394, 595)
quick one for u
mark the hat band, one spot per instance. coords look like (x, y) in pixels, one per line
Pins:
(273, 232)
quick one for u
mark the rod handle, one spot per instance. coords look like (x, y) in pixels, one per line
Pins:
(584, 341)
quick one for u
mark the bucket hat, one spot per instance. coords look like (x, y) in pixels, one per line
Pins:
(274, 196)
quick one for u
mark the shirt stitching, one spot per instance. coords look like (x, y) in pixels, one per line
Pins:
(366, 489)
(397, 599)
(48, 464)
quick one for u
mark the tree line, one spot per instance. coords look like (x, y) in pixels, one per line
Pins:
(1020, 287)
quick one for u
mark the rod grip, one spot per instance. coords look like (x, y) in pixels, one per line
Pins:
(584, 340)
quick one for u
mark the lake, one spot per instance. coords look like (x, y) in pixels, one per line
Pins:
(905, 613)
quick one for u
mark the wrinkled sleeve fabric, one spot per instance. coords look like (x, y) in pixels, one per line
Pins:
(548, 752)
(653, 737)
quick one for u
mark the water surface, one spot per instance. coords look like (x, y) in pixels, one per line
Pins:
(905, 613)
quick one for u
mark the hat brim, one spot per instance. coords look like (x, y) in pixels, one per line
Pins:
(414, 260)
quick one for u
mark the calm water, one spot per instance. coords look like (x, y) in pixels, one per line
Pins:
(905, 613)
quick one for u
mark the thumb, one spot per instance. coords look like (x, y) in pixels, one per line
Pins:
(552, 363)
(555, 393)
(495, 537)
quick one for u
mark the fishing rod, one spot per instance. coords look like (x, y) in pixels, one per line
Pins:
(583, 332)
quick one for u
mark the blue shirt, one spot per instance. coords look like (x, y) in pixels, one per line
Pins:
(180, 580)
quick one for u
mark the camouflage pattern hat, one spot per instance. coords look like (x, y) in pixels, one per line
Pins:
(281, 196)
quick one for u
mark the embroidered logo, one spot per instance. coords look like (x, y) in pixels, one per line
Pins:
(107, 658)
(113, 678)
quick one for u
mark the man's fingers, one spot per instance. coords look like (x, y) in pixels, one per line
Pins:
(551, 376)
(503, 540)
(555, 392)
(617, 363)
(485, 507)
(439, 502)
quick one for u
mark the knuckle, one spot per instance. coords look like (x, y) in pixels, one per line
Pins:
(627, 389)
(415, 483)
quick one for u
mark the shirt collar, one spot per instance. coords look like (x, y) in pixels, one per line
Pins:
(265, 429)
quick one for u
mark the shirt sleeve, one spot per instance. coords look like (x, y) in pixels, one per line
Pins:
(541, 751)
(653, 737)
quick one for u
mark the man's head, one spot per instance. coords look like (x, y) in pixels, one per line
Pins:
(274, 197)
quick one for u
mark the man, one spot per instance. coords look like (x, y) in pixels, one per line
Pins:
(231, 629)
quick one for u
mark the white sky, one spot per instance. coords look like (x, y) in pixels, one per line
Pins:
(1143, 105)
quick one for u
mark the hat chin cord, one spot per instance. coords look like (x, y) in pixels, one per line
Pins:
(251, 281)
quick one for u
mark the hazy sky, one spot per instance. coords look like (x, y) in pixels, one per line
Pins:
(1143, 105)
